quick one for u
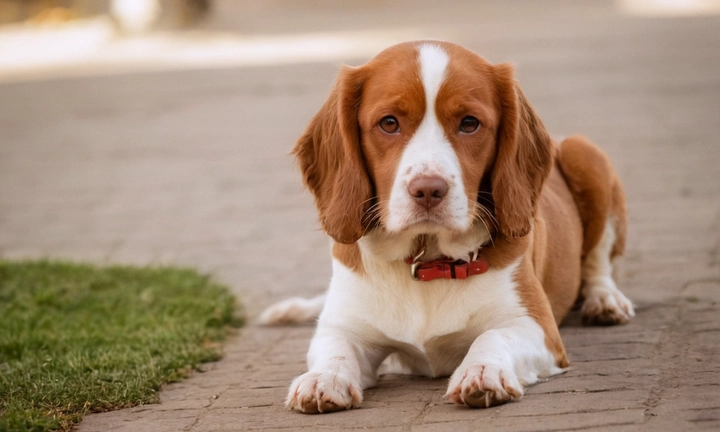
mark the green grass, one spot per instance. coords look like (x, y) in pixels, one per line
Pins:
(78, 338)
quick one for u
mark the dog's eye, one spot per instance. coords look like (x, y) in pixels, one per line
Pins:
(389, 124)
(469, 124)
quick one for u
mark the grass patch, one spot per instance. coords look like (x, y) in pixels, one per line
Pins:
(78, 338)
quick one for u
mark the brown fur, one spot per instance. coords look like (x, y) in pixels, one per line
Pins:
(619, 210)
(476, 153)
(330, 150)
(596, 190)
(539, 308)
(557, 247)
(524, 158)
(349, 255)
(380, 98)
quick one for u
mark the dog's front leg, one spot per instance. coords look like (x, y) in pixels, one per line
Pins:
(499, 363)
(338, 373)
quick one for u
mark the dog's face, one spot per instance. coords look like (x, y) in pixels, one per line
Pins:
(428, 135)
(426, 138)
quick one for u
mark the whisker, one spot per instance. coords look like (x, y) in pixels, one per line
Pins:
(372, 209)
(489, 215)
(486, 199)
(479, 211)
(372, 214)
(476, 207)
(365, 202)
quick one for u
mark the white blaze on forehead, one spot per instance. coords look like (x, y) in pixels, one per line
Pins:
(429, 153)
(433, 63)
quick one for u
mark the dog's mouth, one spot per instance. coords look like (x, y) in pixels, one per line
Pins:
(452, 240)
(437, 224)
(445, 244)
(431, 225)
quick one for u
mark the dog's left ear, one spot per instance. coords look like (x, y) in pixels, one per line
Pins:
(524, 157)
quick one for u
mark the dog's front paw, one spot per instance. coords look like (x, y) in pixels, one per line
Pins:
(483, 386)
(605, 305)
(323, 392)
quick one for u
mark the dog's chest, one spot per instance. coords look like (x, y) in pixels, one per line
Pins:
(431, 325)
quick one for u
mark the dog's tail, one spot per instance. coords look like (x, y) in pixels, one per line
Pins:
(294, 310)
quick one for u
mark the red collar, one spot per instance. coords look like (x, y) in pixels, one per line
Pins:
(446, 268)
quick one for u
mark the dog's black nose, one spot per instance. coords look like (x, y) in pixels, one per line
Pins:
(428, 191)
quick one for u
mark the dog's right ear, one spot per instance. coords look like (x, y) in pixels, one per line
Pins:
(332, 163)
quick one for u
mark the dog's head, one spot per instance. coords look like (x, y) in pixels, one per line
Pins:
(426, 137)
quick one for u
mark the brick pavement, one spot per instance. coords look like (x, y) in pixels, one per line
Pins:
(190, 167)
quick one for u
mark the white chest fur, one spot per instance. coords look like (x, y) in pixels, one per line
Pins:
(430, 324)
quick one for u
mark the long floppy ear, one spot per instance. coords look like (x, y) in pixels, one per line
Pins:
(524, 157)
(332, 163)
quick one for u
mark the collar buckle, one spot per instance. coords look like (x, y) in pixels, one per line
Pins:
(415, 265)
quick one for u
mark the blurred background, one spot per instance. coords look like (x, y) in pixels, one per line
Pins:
(157, 131)
(77, 37)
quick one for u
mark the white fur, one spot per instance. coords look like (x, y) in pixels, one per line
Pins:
(603, 300)
(429, 153)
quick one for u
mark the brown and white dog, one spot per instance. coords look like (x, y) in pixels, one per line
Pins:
(462, 234)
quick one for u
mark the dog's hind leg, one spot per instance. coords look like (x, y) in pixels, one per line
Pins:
(292, 311)
(601, 203)
(604, 304)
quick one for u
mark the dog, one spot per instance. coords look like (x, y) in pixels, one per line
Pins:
(462, 234)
